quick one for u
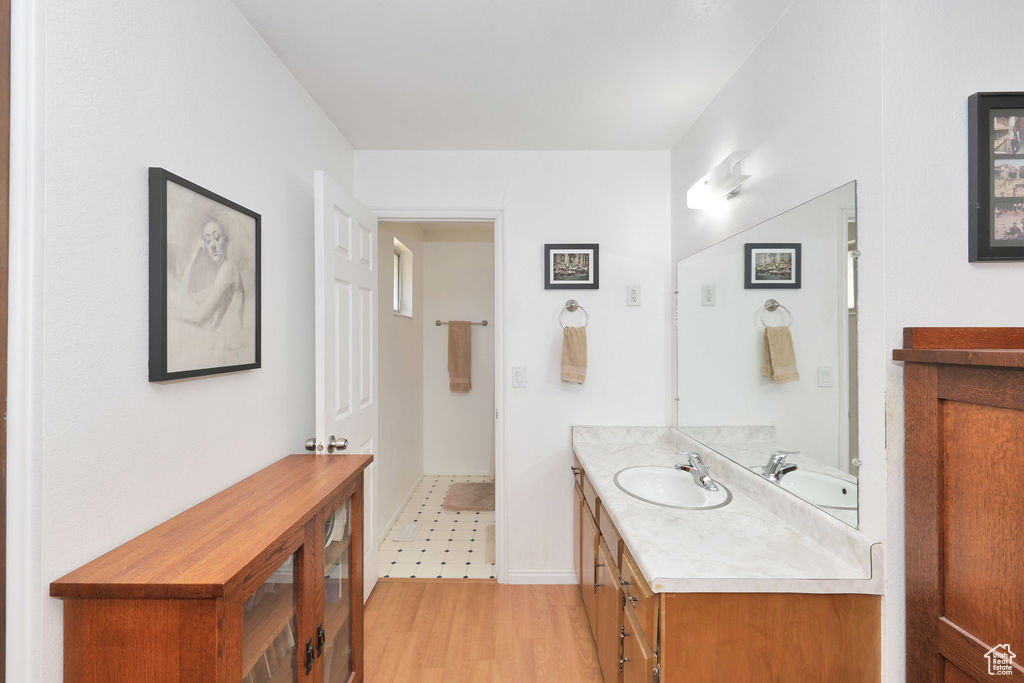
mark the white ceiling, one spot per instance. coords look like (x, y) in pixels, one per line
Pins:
(513, 74)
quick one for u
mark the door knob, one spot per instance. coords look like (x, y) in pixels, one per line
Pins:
(312, 445)
(336, 444)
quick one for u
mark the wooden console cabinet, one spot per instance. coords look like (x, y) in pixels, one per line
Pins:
(648, 637)
(262, 583)
(964, 463)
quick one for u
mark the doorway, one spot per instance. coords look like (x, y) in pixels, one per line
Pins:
(439, 430)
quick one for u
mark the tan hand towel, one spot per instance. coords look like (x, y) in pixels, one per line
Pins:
(460, 356)
(574, 355)
(778, 359)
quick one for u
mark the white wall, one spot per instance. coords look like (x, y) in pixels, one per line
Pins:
(720, 346)
(458, 429)
(808, 105)
(618, 199)
(191, 87)
(399, 456)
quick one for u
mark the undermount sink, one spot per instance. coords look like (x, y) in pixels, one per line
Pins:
(670, 487)
(821, 489)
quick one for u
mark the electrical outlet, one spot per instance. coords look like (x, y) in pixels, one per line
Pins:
(825, 376)
(707, 295)
(518, 376)
(632, 295)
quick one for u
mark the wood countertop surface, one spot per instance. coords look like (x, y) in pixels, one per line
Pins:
(204, 551)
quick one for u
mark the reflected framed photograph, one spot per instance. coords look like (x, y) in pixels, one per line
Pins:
(204, 281)
(571, 266)
(996, 176)
(771, 266)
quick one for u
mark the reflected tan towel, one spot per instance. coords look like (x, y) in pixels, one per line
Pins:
(574, 355)
(460, 356)
(778, 360)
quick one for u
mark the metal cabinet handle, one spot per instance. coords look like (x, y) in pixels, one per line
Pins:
(575, 470)
(321, 639)
(309, 656)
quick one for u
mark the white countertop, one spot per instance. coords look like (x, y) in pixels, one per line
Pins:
(764, 540)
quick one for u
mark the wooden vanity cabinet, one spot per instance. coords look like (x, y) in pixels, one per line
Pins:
(262, 582)
(701, 637)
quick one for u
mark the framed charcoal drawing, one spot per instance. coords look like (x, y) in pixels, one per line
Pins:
(204, 281)
(771, 266)
(996, 176)
(571, 266)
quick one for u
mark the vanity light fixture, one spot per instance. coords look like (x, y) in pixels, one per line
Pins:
(721, 183)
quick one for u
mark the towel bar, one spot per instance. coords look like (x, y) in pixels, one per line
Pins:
(438, 323)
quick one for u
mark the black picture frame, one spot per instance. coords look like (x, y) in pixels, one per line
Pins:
(995, 122)
(204, 281)
(572, 266)
(771, 265)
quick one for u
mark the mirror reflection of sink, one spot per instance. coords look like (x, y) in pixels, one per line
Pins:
(820, 488)
(670, 487)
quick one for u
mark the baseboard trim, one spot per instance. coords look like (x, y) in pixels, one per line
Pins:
(542, 576)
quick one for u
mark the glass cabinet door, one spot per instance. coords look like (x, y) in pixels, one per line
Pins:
(337, 625)
(270, 628)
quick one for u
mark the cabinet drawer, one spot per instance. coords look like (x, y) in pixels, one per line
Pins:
(609, 533)
(640, 600)
(589, 495)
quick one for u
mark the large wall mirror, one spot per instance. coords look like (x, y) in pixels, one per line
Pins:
(779, 296)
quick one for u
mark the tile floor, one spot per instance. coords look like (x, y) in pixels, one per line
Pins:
(446, 545)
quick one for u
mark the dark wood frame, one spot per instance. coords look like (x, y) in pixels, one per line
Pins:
(977, 366)
(595, 267)
(981, 192)
(748, 280)
(158, 180)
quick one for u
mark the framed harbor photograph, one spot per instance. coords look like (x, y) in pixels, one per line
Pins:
(771, 266)
(204, 281)
(996, 176)
(571, 266)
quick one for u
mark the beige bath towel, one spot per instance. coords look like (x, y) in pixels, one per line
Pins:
(460, 356)
(778, 360)
(574, 355)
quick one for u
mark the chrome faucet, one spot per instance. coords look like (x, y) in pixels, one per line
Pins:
(777, 466)
(695, 466)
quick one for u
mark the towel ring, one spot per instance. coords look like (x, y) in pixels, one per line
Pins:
(572, 306)
(770, 306)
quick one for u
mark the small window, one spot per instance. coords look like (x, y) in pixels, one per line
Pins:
(401, 302)
(397, 305)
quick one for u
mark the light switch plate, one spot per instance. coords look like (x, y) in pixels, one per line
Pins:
(518, 376)
(826, 376)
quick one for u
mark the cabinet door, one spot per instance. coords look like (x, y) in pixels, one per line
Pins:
(609, 615)
(334, 639)
(577, 537)
(638, 661)
(588, 564)
(270, 627)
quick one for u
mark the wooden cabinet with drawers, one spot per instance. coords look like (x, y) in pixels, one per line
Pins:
(702, 637)
(260, 583)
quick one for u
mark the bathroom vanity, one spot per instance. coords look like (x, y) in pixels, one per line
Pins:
(763, 587)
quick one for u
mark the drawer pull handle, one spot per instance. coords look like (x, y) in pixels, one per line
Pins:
(575, 470)
(309, 656)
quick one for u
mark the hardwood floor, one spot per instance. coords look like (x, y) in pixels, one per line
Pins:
(448, 630)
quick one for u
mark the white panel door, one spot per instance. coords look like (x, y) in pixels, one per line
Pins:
(345, 246)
